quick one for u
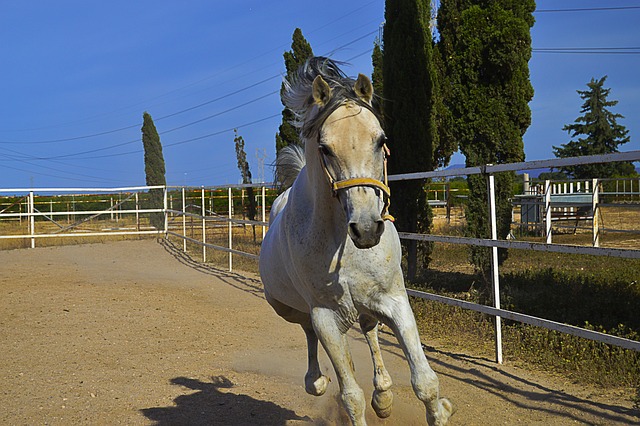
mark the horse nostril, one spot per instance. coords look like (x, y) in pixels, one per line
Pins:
(379, 227)
(355, 231)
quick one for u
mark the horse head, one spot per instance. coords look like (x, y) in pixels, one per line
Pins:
(351, 152)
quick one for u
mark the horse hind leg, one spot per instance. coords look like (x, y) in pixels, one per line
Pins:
(423, 378)
(382, 400)
(315, 383)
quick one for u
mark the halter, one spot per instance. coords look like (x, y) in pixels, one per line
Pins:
(362, 181)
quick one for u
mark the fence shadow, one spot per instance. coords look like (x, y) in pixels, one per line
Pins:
(251, 286)
(525, 393)
(514, 389)
(215, 403)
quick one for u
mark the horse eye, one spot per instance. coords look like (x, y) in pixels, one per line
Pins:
(381, 141)
(325, 150)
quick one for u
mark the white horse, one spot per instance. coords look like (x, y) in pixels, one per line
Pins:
(330, 258)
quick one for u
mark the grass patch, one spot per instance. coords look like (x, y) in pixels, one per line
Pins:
(596, 293)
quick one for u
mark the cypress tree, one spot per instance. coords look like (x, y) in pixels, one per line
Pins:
(485, 47)
(409, 117)
(154, 168)
(602, 134)
(243, 166)
(293, 59)
(376, 75)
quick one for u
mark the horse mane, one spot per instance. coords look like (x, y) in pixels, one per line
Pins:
(298, 98)
(309, 118)
(289, 162)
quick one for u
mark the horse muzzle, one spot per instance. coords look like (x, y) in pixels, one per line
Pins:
(366, 234)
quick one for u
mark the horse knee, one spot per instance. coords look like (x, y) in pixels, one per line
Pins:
(425, 386)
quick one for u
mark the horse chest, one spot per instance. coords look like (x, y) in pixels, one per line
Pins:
(344, 276)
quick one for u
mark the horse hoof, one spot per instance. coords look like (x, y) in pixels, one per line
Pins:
(382, 403)
(317, 387)
(447, 409)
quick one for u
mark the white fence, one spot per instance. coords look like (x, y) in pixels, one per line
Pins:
(229, 220)
(561, 204)
(489, 171)
(41, 207)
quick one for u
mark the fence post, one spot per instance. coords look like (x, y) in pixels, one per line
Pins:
(264, 210)
(448, 197)
(596, 214)
(230, 228)
(547, 210)
(137, 212)
(32, 220)
(204, 226)
(495, 276)
(165, 206)
(184, 220)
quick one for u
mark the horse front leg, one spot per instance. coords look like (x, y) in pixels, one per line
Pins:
(423, 378)
(334, 342)
(382, 400)
(315, 383)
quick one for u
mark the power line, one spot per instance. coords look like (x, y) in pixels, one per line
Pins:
(589, 50)
(138, 151)
(107, 132)
(25, 157)
(183, 88)
(587, 9)
(222, 112)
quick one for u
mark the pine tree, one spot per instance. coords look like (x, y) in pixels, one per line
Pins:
(154, 168)
(293, 59)
(484, 48)
(243, 166)
(408, 75)
(603, 135)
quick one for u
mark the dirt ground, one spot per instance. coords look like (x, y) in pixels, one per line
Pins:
(134, 332)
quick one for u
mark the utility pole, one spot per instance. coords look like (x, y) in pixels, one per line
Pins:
(261, 155)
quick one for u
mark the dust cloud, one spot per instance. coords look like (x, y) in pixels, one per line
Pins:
(288, 362)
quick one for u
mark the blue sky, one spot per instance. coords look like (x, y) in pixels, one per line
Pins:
(77, 76)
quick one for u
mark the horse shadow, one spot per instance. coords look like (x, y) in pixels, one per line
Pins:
(210, 404)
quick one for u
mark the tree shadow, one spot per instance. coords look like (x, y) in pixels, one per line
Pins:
(210, 405)
(251, 286)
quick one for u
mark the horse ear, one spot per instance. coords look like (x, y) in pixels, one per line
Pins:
(364, 88)
(321, 91)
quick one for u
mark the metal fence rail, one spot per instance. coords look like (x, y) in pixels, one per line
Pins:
(115, 210)
(489, 171)
(230, 221)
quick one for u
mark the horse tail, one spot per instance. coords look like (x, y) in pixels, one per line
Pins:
(289, 162)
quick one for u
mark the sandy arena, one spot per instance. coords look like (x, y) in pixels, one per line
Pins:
(136, 333)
